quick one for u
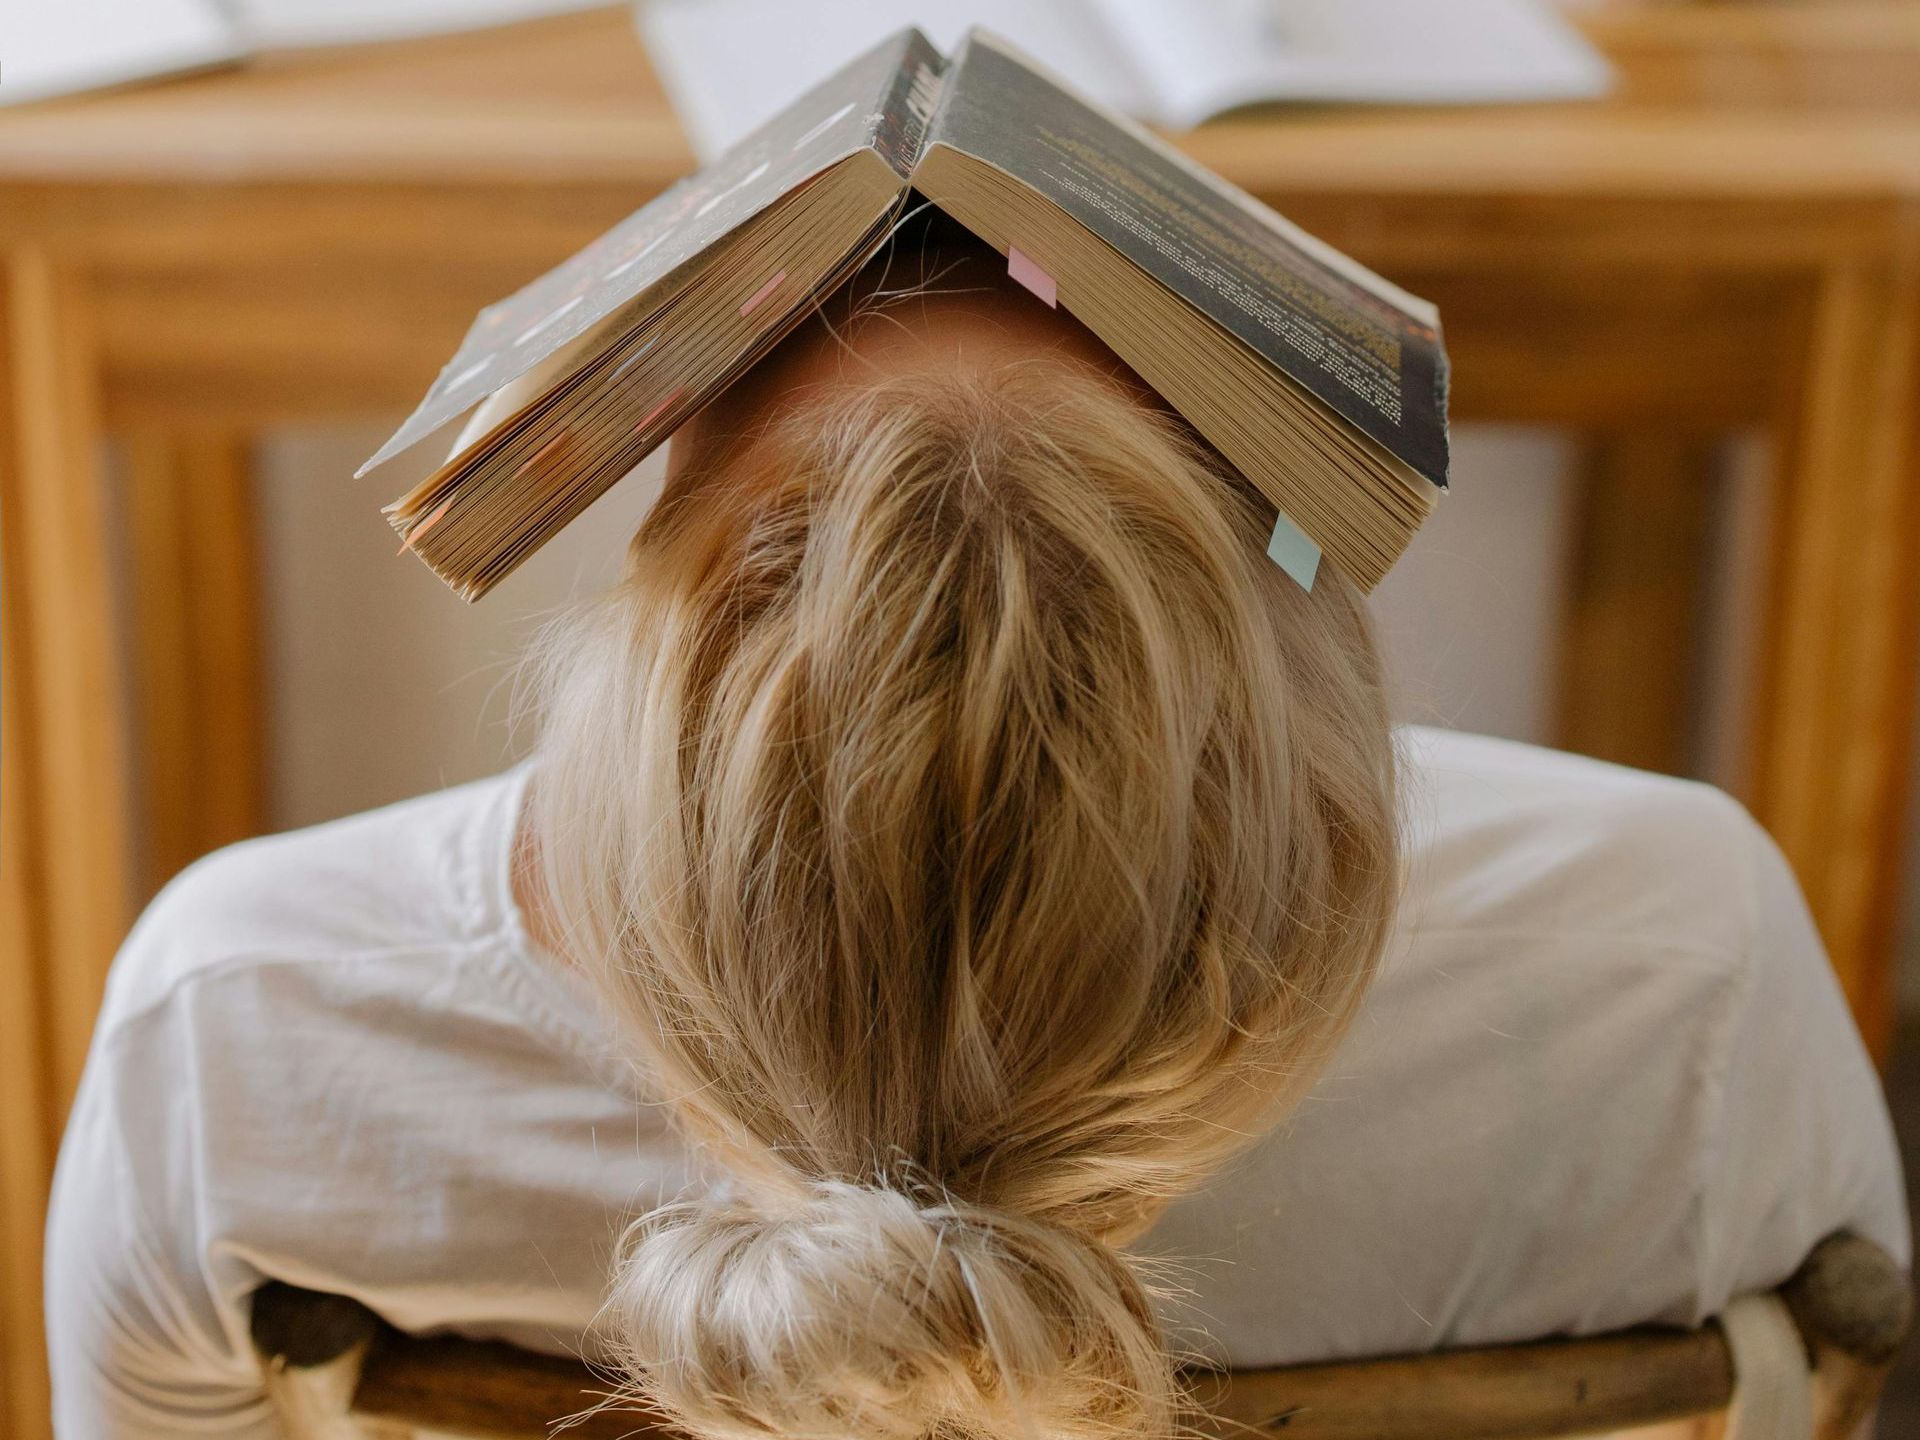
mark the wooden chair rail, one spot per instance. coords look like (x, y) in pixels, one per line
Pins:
(331, 1357)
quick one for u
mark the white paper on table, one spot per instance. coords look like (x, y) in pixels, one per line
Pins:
(1207, 56)
(282, 24)
(51, 47)
(729, 64)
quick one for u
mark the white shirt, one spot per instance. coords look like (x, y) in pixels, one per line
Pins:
(1605, 1077)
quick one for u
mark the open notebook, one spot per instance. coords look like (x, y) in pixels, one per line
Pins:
(1323, 383)
(728, 64)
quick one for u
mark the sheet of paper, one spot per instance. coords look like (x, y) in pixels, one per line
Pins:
(729, 64)
(272, 24)
(51, 47)
(1201, 57)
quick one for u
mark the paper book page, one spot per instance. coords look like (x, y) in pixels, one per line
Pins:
(276, 24)
(1361, 346)
(51, 47)
(868, 104)
(1201, 57)
(727, 64)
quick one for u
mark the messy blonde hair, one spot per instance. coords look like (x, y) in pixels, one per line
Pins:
(978, 838)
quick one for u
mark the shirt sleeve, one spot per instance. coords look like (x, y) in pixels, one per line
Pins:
(140, 1341)
(1804, 1145)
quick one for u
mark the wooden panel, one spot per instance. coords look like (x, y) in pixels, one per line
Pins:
(198, 679)
(1577, 346)
(1830, 55)
(1509, 1392)
(1833, 733)
(1584, 345)
(323, 313)
(62, 821)
(346, 297)
(139, 221)
(60, 580)
(26, 1089)
(1628, 638)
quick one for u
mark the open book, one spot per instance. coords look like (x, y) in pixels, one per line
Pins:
(1322, 383)
(51, 49)
(728, 64)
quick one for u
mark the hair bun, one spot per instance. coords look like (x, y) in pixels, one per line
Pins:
(863, 1312)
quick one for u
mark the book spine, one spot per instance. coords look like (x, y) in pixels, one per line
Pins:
(913, 92)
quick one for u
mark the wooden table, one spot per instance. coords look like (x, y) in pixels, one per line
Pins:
(1731, 244)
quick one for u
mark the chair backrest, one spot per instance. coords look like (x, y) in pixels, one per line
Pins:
(337, 1373)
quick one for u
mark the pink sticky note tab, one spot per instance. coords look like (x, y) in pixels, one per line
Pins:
(658, 410)
(753, 300)
(1025, 271)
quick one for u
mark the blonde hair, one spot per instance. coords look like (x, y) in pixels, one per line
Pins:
(977, 837)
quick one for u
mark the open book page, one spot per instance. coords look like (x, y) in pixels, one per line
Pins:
(50, 47)
(877, 102)
(1366, 349)
(1201, 57)
(277, 24)
(727, 64)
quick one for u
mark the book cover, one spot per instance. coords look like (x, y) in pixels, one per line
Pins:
(1370, 352)
(879, 101)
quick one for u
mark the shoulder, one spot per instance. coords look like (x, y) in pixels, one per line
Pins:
(1606, 1077)
(1514, 838)
(425, 874)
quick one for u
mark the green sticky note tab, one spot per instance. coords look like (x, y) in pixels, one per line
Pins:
(1293, 552)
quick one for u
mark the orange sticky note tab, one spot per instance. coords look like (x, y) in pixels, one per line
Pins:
(425, 525)
(1022, 267)
(536, 456)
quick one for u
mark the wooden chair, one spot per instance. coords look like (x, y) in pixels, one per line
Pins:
(336, 1372)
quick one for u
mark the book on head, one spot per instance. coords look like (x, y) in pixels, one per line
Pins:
(1321, 382)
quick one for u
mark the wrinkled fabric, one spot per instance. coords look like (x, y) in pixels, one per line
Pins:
(1605, 1077)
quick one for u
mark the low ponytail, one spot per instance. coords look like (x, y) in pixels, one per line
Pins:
(977, 839)
(862, 1310)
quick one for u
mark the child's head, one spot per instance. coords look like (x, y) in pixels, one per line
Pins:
(978, 838)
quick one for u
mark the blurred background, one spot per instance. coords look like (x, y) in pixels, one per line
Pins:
(1676, 247)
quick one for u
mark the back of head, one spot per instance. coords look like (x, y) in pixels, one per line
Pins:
(977, 837)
